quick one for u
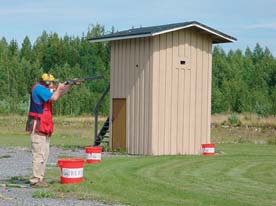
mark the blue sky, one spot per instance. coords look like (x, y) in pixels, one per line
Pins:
(250, 21)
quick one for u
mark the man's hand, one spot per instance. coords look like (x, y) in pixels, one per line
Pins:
(60, 87)
(63, 88)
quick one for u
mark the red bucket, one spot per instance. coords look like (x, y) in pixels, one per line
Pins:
(208, 149)
(93, 154)
(71, 170)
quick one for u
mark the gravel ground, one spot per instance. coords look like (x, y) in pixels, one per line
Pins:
(16, 161)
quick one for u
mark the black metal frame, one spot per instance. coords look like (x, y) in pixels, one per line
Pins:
(96, 111)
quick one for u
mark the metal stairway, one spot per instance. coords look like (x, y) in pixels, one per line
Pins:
(101, 137)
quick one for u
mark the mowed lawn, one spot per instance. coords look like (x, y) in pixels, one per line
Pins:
(242, 173)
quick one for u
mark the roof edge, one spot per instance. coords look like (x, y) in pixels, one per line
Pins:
(225, 38)
(103, 39)
(198, 25)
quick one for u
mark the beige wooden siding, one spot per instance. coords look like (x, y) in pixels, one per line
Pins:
(181, 93)
(168, 103)
(130, 79)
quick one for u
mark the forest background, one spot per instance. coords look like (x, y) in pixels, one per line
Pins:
(242, 81)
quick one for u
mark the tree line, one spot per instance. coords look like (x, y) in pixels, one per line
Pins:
(241, 81)
(64, 57)
(244, 82)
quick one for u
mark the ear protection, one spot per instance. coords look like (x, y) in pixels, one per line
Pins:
(47, 78)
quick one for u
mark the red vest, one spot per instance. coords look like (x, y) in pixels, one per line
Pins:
(40, 117)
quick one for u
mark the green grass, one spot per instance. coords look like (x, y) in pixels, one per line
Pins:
(70, 132)
(42, 194)
(65, 141)
(244, 175)
(244, 172)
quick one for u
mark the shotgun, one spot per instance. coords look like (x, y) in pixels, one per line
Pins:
(77, 81)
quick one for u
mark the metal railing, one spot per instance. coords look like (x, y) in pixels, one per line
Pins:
(96, 111)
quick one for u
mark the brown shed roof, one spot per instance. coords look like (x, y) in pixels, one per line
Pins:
(218, 37)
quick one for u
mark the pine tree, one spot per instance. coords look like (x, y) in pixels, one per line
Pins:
(26, 50)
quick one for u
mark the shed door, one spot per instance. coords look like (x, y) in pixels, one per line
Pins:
(119, 124)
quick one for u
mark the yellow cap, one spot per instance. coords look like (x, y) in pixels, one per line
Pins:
(47, 77)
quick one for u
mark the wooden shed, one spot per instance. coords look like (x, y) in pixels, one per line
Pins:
(160, 87)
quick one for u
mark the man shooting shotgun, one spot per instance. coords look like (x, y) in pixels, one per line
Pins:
(40, 123)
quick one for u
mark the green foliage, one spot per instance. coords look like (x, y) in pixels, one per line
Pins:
(42, 194)
(22, 108)
(244, 82)
(234, 119)
(272, 141)
(18, 180)
(241, 82)
(66, 57)
(262, 109)
(4, 107)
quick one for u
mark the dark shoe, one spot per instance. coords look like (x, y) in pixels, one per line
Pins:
(40, 184)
